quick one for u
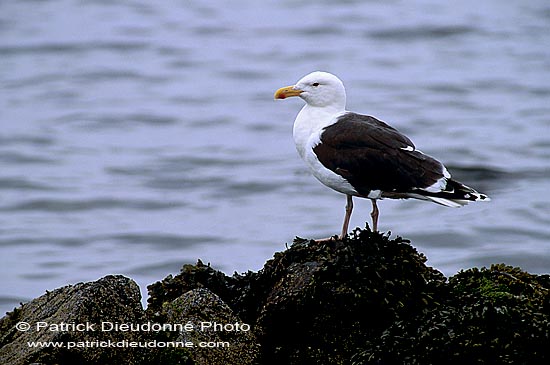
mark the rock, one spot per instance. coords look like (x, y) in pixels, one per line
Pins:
(367, 299)
(218, 335)
(496, 315)
(191, 277)
(114, 299)
(370, 299)
(328, 299)
(320, 302)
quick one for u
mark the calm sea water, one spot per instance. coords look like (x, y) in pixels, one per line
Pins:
(138, 136)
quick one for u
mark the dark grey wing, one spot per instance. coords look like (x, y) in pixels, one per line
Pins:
(372, 155)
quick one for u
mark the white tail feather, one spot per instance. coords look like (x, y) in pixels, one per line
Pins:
(453, 203)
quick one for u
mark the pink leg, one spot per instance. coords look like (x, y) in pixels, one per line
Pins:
(374, 215)
(349, 208)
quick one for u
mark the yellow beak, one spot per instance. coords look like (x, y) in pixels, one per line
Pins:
(287, 92)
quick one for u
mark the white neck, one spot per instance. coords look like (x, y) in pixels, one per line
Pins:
(310, 121)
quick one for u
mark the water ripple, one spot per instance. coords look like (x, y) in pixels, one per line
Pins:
(422, 32)
(18, 158)
(68, 48)
(164, 240)
(116, 120)
(36, 140)
(478, 173)
(23, 184)
(159, 269)
(57, 205)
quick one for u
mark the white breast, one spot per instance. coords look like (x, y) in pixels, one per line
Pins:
(308, 128)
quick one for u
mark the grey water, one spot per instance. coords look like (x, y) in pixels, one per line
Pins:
(138, 136)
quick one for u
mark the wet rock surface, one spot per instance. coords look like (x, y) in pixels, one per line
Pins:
(54, 317)
(369, 299)
(226, 339)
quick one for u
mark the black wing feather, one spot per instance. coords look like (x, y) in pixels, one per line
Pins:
(372, 155)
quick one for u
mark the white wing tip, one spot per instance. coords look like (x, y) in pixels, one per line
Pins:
(481, 197)
(457, 203)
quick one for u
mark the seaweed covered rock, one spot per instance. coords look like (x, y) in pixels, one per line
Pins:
(499, 315)
(327, 299)
(191, 277)
(113, 299)
(320, 302)
(367, 299)
(370, 299)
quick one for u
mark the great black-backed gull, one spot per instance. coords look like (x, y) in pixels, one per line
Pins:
(359, 155)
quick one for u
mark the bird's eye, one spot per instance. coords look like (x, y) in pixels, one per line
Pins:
(315, 84)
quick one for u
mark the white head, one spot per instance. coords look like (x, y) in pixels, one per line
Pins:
(318, 89)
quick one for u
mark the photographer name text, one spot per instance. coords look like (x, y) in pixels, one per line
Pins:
(106, 326)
